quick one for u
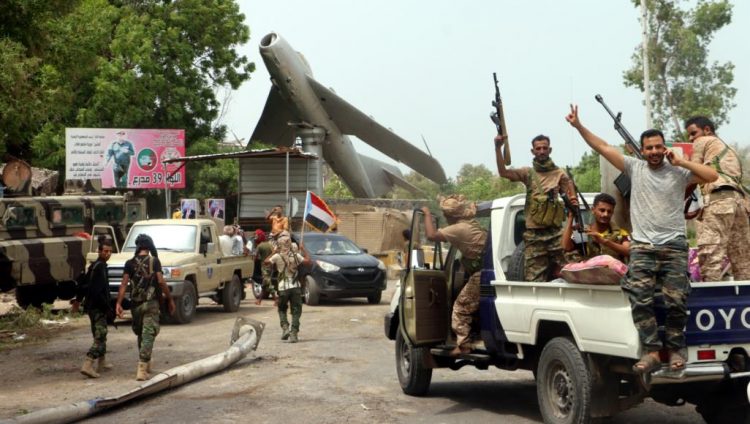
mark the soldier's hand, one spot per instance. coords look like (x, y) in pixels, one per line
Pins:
(425, 210)
(673, 158)
(118, 310)
(500, 140)
(572, 117)
(75, 305)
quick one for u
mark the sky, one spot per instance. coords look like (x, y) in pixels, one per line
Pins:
(424, 69)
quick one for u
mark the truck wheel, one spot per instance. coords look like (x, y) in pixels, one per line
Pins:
(311, 291)
(231, 295)
(413, 376)
(516, 267)
(185, 305)
(24, 296)
(375, 298)
(563, 383)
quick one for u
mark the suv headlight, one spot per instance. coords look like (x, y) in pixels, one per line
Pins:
(171, 272)
(326, 266)
(381, 265)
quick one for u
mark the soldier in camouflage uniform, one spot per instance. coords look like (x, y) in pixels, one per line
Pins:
(287, 261)
(723, 228)
(543, 253)
(145, 273)
(465, 234)
(263, 250)
(96, 301)
(604, 238)
(658, 253)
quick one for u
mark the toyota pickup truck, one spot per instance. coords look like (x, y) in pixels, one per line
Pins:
(579, 340)
(193, 265)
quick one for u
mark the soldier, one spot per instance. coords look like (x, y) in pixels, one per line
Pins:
(278, 221)
(121, 150)
(145, 273)
(263, 250)
(465, 234)
(543, 253)
(95, 294)
(287, 262)
(723, 228)
(604, 238)
(658, 253)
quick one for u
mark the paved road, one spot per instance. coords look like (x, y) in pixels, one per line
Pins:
(341, 371)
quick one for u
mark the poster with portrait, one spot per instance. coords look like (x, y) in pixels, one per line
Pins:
(216, 208)
(125, 158)
(189, 208)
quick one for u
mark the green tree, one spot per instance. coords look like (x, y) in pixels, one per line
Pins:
(586, 174)
(683, 82)
(117, 63)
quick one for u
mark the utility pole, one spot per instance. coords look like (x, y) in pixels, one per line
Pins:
(644, 59)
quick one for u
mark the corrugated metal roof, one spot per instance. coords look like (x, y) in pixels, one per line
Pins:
(279, 152)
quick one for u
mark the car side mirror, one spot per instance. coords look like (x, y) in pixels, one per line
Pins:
(365, 251)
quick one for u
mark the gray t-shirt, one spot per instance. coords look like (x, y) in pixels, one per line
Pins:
(656, 200)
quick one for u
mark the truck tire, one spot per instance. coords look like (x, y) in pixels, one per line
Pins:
(375, 298)
(311, 292)
(413, 376)
(185, 305)
(563, 383)
(231, 294)
(516, 267)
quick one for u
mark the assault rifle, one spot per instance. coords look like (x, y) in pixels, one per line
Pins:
(576, 210)
(498, 117)
(622, 182)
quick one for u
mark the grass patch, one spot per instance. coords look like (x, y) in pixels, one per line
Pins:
(19, 326)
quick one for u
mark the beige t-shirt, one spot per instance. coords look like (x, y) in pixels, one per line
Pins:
(467, 236)
(287, 265)
(553, 180)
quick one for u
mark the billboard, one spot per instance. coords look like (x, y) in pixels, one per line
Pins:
(124, 158)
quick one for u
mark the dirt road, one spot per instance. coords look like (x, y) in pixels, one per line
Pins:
(341, 371)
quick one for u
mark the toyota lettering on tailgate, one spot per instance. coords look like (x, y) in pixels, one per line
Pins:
(718, 314)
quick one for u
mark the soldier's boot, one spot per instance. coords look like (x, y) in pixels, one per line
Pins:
(103, 365)
(142, 373)
(285, 332)
(293, 337)
(88, 368)
(148, 366)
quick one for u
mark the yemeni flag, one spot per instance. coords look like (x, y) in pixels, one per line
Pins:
(317, 214)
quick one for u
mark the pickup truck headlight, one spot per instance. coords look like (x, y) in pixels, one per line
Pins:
(381, 266)
(326, 266)
(174, 272)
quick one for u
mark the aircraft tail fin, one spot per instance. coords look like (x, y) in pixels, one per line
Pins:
(383, 177)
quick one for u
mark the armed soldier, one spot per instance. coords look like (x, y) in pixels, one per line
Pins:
(723, 228)
(145, 273)
(95, 295)
(263, 250)
(658, 253)
(465, 233)
(604, 238)
(543, 252)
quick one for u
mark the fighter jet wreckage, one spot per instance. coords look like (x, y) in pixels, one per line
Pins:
(300, 106)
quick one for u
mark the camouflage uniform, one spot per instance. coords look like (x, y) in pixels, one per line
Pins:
(145, 303)
(723, 229)
(469, 238)
(287, 262)
(543, 254)
(94, 291)
(264, 250)
(98, 319)
(617, 235)
(666, 264)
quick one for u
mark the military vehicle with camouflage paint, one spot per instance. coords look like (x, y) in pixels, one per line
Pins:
(44, 240)
(192, 264)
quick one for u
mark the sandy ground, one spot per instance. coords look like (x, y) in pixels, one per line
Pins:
(341, 371)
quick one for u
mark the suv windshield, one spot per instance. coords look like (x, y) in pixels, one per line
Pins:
(166, 237)
(331, 246)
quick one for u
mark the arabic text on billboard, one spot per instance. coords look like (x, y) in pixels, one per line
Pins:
(124, 158)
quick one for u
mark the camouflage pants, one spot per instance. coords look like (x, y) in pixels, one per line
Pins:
(146, 327)
(651, 267)
(543, 255)
(268, 286)
(464, 308)
(98, 321)
(291, 297)
(724, 230)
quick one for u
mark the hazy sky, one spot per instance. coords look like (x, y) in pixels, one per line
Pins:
(425, 68)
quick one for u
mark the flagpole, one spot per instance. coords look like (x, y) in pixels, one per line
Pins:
(304, 216)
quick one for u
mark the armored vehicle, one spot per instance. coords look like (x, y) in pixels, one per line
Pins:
(44, 240)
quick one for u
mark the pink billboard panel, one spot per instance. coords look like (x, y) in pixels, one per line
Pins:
(124, 158)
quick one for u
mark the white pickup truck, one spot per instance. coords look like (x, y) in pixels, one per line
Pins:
(579, 340)
(193, 265)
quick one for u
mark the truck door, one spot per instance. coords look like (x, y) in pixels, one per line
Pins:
(424, 306)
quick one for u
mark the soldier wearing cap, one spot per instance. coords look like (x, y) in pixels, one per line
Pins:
(465, 234)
